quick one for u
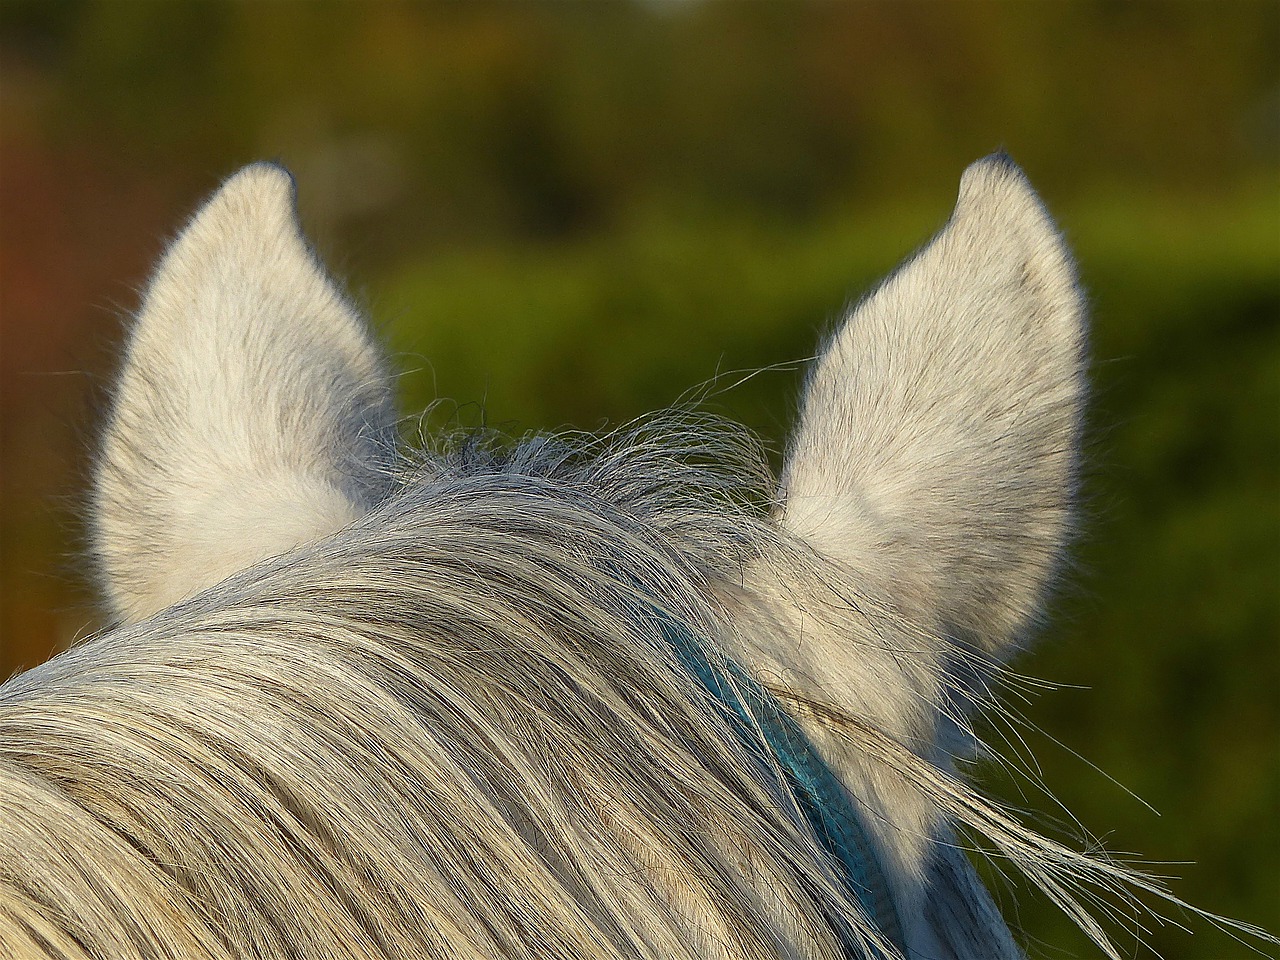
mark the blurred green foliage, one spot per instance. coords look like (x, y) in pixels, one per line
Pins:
(576, 213)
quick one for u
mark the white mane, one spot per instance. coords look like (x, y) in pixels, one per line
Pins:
(362, 703)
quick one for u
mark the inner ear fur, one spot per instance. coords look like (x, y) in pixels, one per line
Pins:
(252, 413)
(938, 440)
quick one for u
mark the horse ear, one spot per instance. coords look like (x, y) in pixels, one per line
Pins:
(939, 433)
(252, 413)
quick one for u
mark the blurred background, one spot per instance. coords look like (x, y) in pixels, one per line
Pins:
(571, 213)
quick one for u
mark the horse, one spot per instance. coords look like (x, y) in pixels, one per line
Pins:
(565, 696)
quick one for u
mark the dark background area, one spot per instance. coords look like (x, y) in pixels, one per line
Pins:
(572, 213)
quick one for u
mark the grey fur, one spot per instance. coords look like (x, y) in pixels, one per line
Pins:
(431, 713)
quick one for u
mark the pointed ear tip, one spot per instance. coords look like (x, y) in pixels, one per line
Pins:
(996, 195)
(262, 179)
(995, 179)
(261, 196)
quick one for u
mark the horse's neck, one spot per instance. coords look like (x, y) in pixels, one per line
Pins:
(869, 674)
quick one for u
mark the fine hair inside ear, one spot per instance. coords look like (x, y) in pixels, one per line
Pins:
(252, 413)
(939, 433)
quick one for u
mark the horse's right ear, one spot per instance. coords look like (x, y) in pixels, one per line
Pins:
(939, 434)
(252, 414)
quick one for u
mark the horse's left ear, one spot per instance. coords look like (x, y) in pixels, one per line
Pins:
(937, 446)
(253, 413)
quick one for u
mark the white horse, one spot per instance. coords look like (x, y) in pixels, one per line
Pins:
(573, 697)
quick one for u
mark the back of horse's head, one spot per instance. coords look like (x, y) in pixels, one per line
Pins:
(564, 696)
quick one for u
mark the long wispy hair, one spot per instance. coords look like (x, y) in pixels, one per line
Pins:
(363, 703)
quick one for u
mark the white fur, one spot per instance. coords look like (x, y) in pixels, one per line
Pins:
(940, 428)
(935, 459)
(252, 414)
(375, 707)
